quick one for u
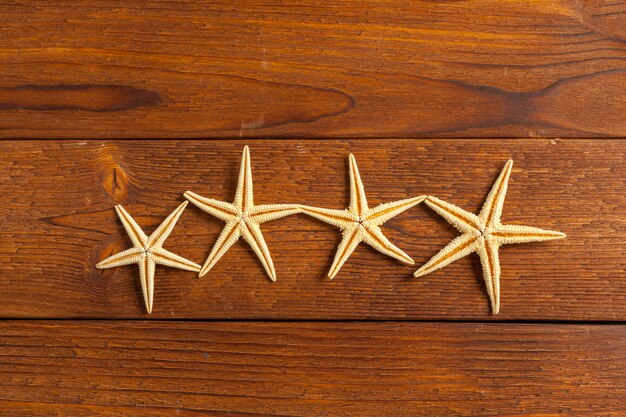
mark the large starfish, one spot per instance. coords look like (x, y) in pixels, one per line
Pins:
(147, 251)
(243, 219)
(359, 223)
(483, 234)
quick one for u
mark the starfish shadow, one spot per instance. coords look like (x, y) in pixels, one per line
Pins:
(477, 270)
(336, 243)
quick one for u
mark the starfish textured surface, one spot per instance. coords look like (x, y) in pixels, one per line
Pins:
(483, 234)
(359, 223)
(243, 219)
(147, 251)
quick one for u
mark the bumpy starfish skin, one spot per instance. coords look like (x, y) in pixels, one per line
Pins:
(359, 223)
(483, 234)
(243, 219)
(147, 251)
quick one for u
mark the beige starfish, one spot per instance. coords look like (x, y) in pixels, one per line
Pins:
(243, 219)
(147, 251)
(359, 223)
(483, 234)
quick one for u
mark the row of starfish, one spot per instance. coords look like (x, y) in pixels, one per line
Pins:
(482, 233)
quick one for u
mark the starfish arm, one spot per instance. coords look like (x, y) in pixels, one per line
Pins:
(510, 233)
(457, 249)
(463, 220)
(162, 232)
(221, 210)
(351, 239)
(269, 212)
(490, 262)
(252, 234)
(146, 276)
(167, 258)
(244, 199)
(127, 257)
(380, 214)
(374, 237)
(492, 209)
(137, 236)
(358, 201)
(338, 218)
(226, 239)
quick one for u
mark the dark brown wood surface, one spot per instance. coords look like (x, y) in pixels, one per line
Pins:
(58, 221)
(323, 79)
(310, 369)
(354, 68)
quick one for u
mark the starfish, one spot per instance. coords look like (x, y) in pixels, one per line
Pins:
(147, 251)
(483, 234)
(243, 219)
(359, 223)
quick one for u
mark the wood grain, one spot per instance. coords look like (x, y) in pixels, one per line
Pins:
(481, 68)
(310, 369)
(58, 221)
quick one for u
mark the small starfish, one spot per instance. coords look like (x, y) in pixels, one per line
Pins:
(483, 234)
(243, 219)
(147, 251)
(359, 223)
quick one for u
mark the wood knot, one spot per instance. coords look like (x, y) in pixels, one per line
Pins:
(109, 249)
(116, 183)
(84, 97)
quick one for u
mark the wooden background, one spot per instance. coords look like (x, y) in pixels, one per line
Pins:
(432, 97)
(479, 68)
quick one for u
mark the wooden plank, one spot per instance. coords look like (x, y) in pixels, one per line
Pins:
(76, 368)
(57, 221)
(107, 69)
